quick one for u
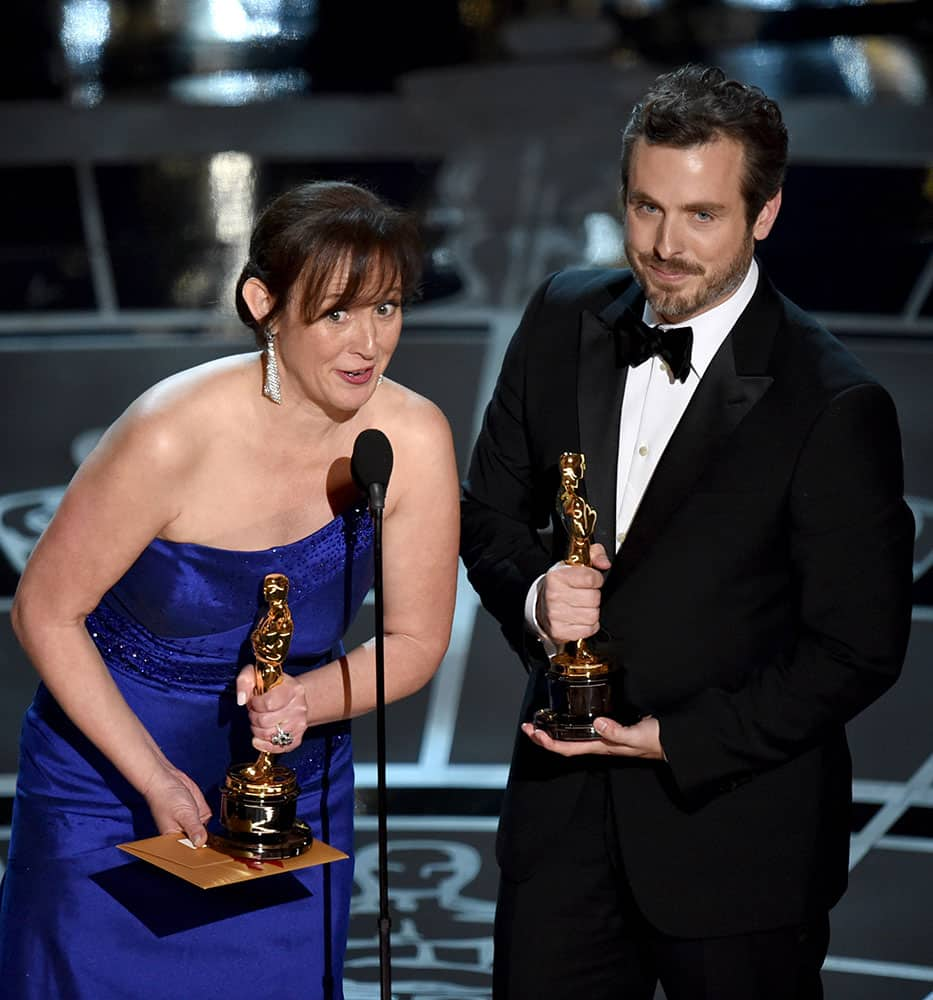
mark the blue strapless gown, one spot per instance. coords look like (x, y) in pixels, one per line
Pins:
(80, 919)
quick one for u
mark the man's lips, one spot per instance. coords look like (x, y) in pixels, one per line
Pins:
(673, 277)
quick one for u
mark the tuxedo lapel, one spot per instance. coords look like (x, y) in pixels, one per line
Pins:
(733, 383)
(600, 384)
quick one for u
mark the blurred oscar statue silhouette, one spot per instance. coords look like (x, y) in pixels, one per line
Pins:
(579, 682)
(258, 801)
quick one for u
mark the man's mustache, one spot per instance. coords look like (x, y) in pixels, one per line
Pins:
(671, 266)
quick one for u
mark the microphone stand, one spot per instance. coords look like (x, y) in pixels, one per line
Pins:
(385, 921)
(371, 466)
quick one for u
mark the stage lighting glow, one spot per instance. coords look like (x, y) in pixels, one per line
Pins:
(85, 29)
(854, 67)
(603, 246)
(231, 185)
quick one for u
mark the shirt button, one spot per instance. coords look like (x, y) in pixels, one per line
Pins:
(643, 450)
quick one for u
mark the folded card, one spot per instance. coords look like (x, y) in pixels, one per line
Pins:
(209, 867)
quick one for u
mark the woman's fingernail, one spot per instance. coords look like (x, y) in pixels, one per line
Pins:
(241, 697)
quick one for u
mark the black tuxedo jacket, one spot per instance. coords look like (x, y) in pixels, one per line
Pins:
(760, 599)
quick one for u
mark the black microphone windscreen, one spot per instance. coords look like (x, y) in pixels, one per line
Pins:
(372, 459)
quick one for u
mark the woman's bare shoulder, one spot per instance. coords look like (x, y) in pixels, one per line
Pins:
(415, 417)
(425, 465)
(173, 419)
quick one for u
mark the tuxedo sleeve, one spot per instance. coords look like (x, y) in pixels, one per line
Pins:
(503, 506)
(850, 537)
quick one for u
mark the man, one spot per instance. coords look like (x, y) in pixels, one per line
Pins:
(751, 573)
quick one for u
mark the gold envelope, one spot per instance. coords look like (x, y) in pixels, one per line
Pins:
(208, 867)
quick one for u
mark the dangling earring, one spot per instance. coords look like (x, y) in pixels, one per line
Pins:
(271, 387)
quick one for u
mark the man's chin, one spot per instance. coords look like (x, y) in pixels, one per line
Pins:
(670, 308)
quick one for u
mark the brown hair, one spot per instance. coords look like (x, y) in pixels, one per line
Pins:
(698, 104)
(304, 236)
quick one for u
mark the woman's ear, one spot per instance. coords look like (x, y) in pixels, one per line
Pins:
(258, 299)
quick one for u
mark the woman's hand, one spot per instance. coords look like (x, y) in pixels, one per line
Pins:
(177, 805)
(283, 710)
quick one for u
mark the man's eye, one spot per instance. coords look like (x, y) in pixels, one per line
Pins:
(705, 216)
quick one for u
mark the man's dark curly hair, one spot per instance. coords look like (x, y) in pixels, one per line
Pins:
(698, 104)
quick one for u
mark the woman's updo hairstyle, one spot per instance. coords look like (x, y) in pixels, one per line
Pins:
(304, 236)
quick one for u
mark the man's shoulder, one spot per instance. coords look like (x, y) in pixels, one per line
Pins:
(587, 287)
(815, 351)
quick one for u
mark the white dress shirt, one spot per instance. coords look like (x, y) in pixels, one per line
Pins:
(653, 402)
(652, 406)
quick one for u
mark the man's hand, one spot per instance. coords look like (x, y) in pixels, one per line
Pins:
(641, 740)
(568, 600)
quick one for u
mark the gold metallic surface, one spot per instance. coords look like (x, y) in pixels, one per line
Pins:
(270, 641)
(258, 801)
(579, 520)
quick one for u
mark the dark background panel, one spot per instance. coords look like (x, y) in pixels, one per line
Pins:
(890, 740)
(880, 908)
(905, 369)
(493, 687)
(19, 682)
(44, 262)
(851, 239)
(852, 986)
(177, 227)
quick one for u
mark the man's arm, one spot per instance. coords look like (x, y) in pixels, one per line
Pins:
(851, 541)
(500, 509)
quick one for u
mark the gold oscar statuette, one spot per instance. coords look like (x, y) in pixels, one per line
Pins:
(580, 683)
(258, 801)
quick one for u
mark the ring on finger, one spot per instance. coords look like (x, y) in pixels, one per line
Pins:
(282, 737)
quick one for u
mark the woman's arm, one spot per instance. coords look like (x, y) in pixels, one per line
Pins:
(420, 539)
(123, 495)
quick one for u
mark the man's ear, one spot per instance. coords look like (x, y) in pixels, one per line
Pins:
(257, 297)
(766, 217)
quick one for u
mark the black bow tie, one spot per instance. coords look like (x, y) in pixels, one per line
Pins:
(637, 341)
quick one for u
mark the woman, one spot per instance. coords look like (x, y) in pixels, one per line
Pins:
(137, 605)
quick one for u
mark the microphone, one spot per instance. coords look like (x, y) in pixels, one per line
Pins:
(371, 466)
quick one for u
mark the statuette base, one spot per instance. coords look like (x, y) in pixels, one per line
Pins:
(577, 695)
(291, 844)
(563, 728)
(257, 812)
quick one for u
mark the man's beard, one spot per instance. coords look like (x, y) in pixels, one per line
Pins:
(714, 286)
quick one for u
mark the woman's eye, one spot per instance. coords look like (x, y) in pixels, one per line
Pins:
(386, 308)
(337, 315)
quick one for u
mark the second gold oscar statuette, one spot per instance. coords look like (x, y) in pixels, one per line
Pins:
(579, 682)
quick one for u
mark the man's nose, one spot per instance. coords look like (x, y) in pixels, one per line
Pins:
(667, 238)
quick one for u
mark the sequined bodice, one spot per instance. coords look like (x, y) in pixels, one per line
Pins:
(182, 614)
